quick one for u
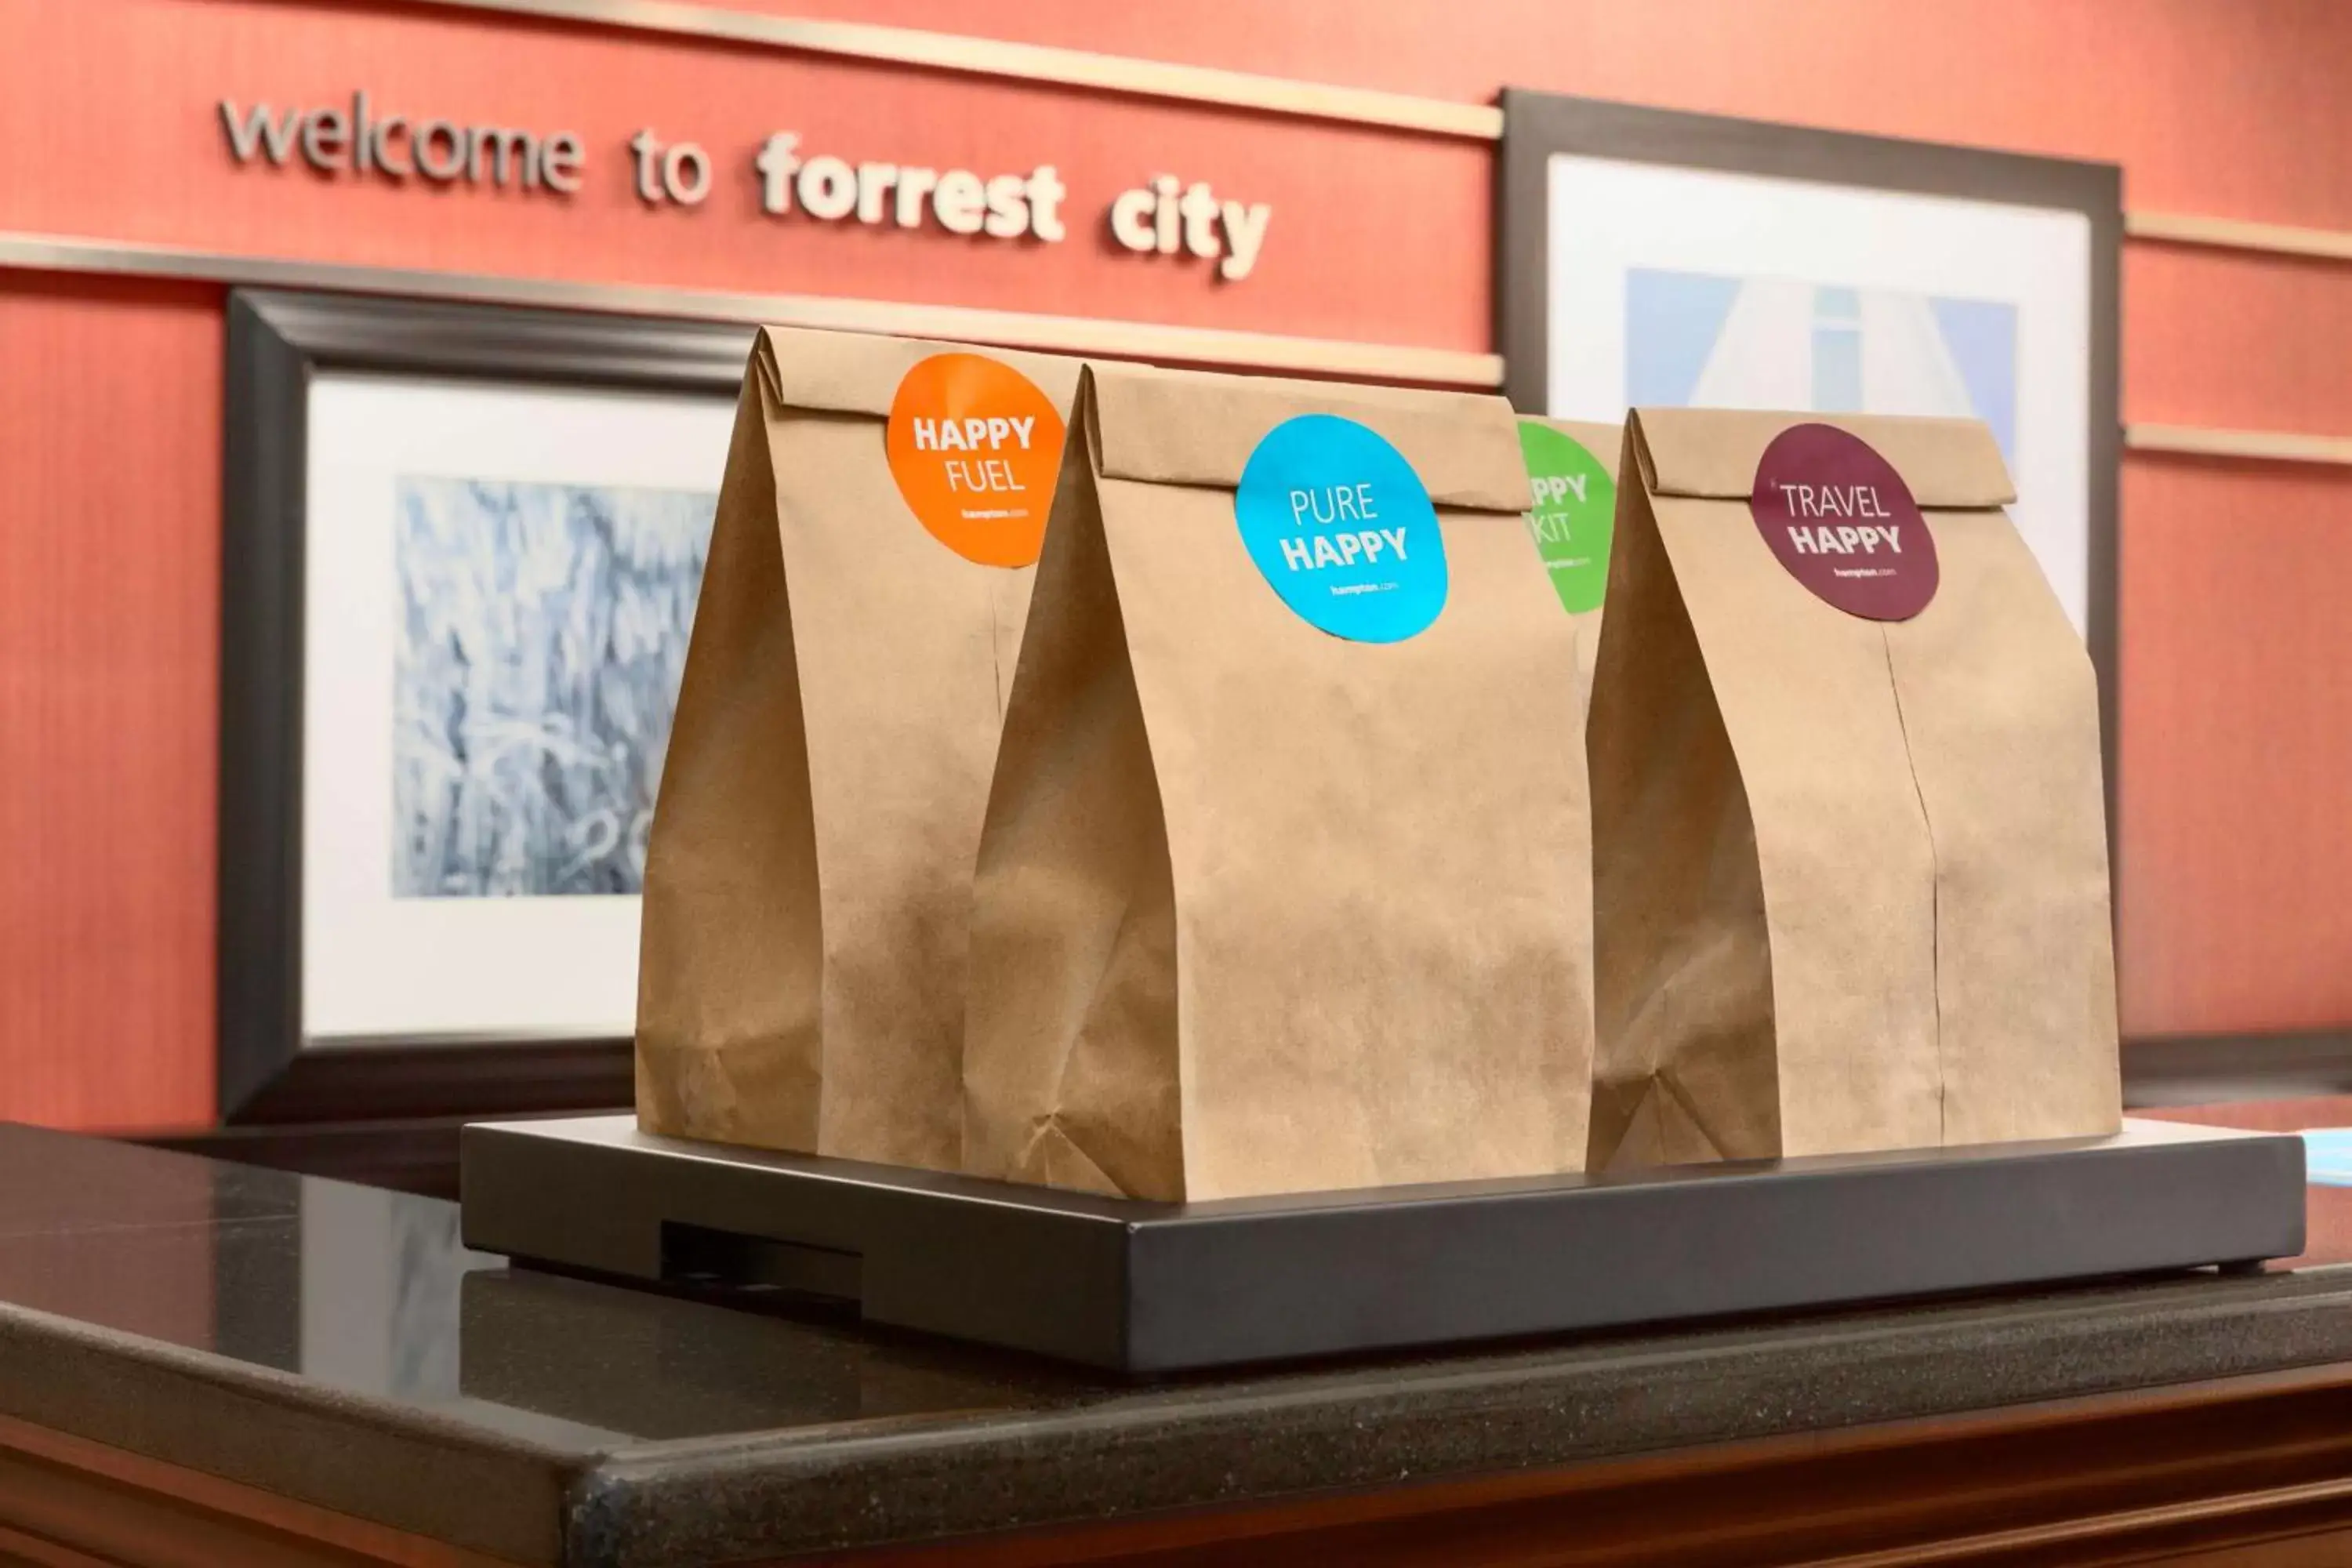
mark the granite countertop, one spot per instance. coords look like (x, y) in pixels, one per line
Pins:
(336, 1345)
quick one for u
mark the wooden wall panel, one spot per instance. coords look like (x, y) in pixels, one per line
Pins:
(2238, 340)
(1375, 236)
(2237, 741)
(109, 580)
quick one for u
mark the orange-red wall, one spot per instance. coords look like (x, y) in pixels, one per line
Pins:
(2236, 723)
(109, 533)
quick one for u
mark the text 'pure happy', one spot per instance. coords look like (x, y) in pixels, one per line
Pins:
(1324, 509)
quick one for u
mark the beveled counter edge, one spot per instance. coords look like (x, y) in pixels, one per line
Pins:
(332, 1448)
(1191, 1446)
(2195, 1467)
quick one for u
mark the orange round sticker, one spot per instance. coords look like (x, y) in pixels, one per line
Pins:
(976, 448)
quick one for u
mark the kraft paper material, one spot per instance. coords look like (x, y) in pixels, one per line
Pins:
(1850, 876)
(1259, 909)
(1607, 443)
(808, 881)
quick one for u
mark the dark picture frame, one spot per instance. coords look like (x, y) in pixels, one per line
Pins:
(1538, 125)
(269, 1073)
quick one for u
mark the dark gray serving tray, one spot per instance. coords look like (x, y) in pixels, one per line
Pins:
(1155, 1288)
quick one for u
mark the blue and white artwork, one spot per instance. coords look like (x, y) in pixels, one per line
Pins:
(1700, 340)
(543, 634)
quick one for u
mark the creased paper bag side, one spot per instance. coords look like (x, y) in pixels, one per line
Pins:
(1683, 1066)
(1846, 863)
(2001, 710)
(1070, 1073)
(727, 1011)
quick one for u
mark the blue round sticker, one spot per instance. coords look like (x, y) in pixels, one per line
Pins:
(1341, 526)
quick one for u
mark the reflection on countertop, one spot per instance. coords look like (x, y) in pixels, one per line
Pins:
(370, 1293)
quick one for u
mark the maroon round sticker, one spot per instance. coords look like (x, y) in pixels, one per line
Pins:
(1843, 522)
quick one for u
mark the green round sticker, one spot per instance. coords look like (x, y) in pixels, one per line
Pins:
(1575, 510)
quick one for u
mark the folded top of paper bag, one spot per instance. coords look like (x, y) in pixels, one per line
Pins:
(1948, 464)
(853, 372)
(1189, 427)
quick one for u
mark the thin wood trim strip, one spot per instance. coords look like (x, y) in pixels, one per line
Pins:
(2260, 446)
(2236, 233)
(1119, 74)
(139, 1477)
(1009, 329)
(45, 1553)
(2096, 1529)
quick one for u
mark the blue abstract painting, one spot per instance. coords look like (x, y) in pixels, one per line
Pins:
(542, 637)
(1695, 340)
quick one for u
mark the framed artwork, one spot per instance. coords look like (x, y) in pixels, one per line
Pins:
(462, 550)
(1648, 257)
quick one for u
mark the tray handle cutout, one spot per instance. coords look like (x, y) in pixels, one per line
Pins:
(695, 1255)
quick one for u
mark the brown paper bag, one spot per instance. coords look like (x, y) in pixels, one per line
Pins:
(1261, 907)
(1850, 874)
(1574, 512)
(808, 881)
